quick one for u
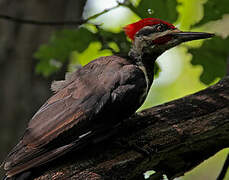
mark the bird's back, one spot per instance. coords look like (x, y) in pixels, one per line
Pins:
(101, 93)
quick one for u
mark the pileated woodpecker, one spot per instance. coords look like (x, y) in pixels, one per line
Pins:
(96, 97)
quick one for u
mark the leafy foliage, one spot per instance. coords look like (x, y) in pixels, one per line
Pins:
(214, 10)
(211, 56)
(119, 39)
(213, 59)
(163, 9)
(62, 43)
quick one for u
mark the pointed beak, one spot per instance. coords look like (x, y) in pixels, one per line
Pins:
(189, 36)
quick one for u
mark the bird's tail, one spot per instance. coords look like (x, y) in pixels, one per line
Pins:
(48, 156)
(90, 137)
(22, 176)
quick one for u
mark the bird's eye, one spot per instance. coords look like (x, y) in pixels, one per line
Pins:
(161, 27)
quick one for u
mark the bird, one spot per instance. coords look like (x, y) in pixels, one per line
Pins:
(96, 97)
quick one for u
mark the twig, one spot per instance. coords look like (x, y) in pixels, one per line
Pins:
(103, 12)
(56, 23)
(41, 23)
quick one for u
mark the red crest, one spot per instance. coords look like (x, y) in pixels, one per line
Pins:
(132, 29)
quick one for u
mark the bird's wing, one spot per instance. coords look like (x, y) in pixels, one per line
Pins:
(75, 108)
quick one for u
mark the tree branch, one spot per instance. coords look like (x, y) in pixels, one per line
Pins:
(181, 134)
(56, 23)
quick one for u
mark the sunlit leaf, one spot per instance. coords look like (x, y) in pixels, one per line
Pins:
(92, 52)
(212, 56)
(190, 12)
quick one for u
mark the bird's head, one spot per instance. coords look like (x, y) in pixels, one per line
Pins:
(151, 35)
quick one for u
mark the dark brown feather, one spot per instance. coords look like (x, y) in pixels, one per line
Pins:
(102, 89)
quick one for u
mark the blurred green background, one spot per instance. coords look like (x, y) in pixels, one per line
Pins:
(31, 57)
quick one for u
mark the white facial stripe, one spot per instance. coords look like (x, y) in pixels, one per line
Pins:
(154, 36)
(142, 67)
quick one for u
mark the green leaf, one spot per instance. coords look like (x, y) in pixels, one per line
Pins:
(212, 56)
(58, 50)
(214, 10)
(46, 68)
(190, 13)
(92, 52)
(163, 9)
(118, 38)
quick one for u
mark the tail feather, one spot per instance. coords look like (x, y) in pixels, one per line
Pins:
(44, 157)
(23, 176)
(48, 156)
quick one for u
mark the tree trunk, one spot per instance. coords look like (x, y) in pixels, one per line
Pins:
(180, 135)
(22, 92)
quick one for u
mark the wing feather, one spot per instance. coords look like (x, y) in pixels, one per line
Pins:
(72, 108)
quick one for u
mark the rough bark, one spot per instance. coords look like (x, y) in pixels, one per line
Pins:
(22, 92)
(180, 134)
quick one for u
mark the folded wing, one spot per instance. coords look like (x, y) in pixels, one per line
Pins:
(73, 113)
